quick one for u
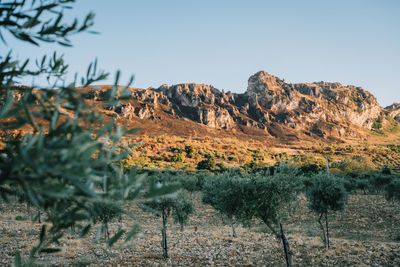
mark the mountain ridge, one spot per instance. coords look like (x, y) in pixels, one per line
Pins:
(322, 110)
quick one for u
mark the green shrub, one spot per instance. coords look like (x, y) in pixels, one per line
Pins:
(394, 148)
(221, 166)
(356, 181)
(178, 157)
(232, 158)
(249, 166)
(311, 169)
(258, 155)
(206, 164)
(355, 164)
(377, 125)
(190, 151)
(190, 181)
(349, 184)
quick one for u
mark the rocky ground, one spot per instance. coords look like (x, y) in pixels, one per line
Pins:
(366, 234)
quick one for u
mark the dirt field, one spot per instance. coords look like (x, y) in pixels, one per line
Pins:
(366, 234)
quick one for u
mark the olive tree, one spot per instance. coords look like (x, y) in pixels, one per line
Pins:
(182, 209)
(271, 197)
(326, 193)
(263, 196)
(268, 197)
(223, 192)
(179, 206)
(392, 190)
(106, 213)
(162, 207)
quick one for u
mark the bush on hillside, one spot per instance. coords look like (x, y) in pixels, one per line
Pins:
(355, 164)
(207, 164)
(178, 157)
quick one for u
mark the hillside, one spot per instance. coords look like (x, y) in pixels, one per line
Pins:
(272, 120)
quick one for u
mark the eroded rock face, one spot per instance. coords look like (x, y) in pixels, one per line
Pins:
(320, 108)
(215, 117)
(316, 101)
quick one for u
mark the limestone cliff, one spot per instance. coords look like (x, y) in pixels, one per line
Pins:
(322, 109)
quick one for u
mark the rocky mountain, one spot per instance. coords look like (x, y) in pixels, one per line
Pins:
(320, 109)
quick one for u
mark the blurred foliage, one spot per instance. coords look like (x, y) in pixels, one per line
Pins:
(58, 152)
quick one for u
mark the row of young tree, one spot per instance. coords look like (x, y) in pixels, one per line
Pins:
(269, 196)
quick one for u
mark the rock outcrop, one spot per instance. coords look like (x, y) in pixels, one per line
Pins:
(394, 111)
(320, 109)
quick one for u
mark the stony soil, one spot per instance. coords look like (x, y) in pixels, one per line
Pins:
(366, 234)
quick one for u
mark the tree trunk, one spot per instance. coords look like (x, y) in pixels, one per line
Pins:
(233, 227)
(272, 229)
(286, 247)
(28, 205)
(164, 235)
(39, 216)
(323, 230)
(107, 233)
(182, 227)
(327, 230)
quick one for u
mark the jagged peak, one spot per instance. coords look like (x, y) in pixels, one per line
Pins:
(265, 77)
(262, 81)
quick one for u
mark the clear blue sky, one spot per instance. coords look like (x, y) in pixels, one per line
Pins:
(223, 42)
